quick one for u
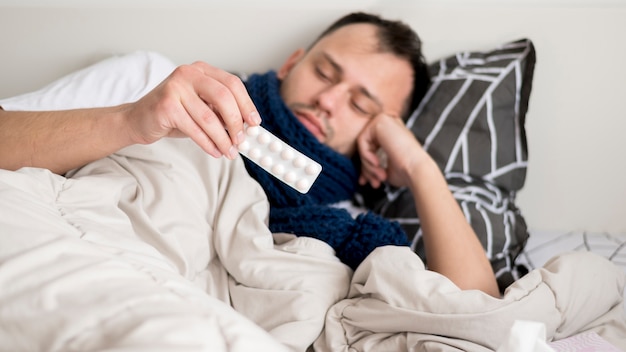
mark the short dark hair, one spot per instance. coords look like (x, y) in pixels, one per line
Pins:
(398, 38)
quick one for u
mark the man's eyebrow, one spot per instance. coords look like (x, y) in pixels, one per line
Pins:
(362, 89)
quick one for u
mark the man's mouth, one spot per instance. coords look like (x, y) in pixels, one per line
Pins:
(312, 123)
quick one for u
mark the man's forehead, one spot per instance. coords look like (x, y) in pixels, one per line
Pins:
(364, 35)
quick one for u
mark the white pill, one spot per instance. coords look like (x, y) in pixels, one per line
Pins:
(302, 185)
(290, 176)
(244, 146)
(312, 169)
(287, 154)
(276, 146)
(267, 161)
(278, 169)
(255, 153)
(253, 130)
(299, 162)
(264, 138)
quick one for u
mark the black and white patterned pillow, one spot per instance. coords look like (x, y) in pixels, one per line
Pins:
(471, 121)
(472, 118)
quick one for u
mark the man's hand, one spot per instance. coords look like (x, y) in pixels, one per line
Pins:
(204, 103)
(386, 137)
(199, 101)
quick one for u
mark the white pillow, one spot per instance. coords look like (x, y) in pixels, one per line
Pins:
(113, 81)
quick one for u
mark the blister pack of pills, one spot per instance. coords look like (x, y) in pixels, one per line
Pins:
(279, 158)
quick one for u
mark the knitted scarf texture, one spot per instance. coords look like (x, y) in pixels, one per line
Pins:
(312, 214)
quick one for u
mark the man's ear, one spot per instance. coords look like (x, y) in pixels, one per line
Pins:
(291, 61)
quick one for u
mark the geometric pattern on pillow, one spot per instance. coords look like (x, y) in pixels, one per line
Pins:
(472, 118)
(471, 121)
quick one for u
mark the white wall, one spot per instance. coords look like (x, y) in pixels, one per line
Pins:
(576, 115)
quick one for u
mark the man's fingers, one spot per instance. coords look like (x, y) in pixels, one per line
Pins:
(374, 177)
(207, 104)
(372, 171)
(203, 138)
(229, 98)
(211, 100)
(199, 122)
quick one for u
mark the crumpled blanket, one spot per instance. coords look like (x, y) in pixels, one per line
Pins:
(160, 246)
(394, 304)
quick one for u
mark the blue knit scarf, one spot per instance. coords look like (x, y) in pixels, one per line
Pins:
(311, 214)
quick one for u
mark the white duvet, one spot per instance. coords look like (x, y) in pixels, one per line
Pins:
(153, 244)
(162, 247)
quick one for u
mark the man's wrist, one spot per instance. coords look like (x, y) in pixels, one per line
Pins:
(424, 170)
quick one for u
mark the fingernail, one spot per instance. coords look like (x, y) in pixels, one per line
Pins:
(216, 154)
(232, 152)
(255, 117)
(240, 137)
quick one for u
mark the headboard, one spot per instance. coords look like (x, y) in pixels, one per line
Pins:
(575, 117)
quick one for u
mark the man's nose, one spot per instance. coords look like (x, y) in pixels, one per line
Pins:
(332, 97)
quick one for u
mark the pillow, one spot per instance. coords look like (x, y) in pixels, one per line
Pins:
(112, 81)
(471, 121)
(472, 118)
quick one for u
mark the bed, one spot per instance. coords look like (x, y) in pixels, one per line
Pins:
(132, 253)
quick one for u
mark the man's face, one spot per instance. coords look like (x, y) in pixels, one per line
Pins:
(342, 82)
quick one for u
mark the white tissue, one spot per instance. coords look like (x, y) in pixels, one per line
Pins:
(526, 336)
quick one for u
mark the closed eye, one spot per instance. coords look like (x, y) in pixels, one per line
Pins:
(364, 105)
(359, 109)
(325, 76)
(321, 74)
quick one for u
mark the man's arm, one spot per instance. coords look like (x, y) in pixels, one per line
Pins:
(452, 247)
(60, 140)
(198, 101)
